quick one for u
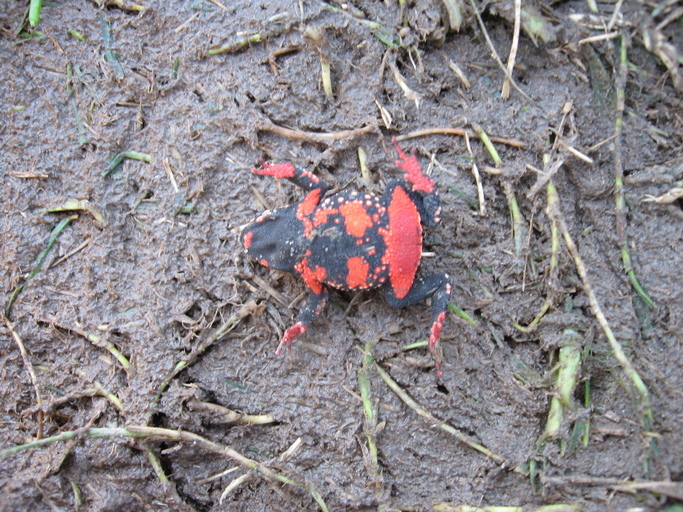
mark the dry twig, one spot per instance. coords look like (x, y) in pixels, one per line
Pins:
(505, 91)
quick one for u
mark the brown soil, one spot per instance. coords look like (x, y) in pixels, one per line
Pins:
(165, 267)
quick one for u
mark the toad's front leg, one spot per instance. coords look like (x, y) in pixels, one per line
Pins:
(315, 304)
(438, 287)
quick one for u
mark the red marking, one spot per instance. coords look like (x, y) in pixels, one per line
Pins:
(275, 170)
(404, 242)
(246, 241)
(311, 176)
(356, 218)
(413, 170)
(263, 216)
(434, 341)
(264, 263)
(313, 278)
(321, 214)
(436, 330)
(358, 272)
(290, 334)
(306, 207)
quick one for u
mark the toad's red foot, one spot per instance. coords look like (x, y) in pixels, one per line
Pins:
(434, 346)
(290, 334)
(275, 170)
(413, 170)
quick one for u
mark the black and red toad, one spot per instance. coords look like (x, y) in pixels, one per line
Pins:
(353, 241)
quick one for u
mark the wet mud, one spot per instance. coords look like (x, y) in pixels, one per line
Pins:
(146, 313)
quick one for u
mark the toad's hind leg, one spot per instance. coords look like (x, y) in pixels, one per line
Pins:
(438, 287)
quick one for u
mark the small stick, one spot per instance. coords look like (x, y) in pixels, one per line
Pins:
(518, 224)
(671, 489)
(265, 286)
(49, 407)
(615, 15)
(544, 176)
(554, 212)
(192, 438)
(31, 373)
(480, 190)
(179, 435)
(171, 177)
(210, 339)
(619, 200)
(326, 137)
(457, 131)
(70, 253)
(39, 261)
(326, 75)
(433, 421)
(121, 4)
(576, 152)
(380, 31)
(156, 465)
(459, 73)
(477, 178)
(554, 259)
(319, 41)
(363, 164)
(236, 46)
(386, 116)
(600, 37)
(217, 476)
(108, 44)
(496, 56)
(492, 170)
(672, 16)
(370, 430)
(29, 175)
(219, 4)
(101, 390)
(401, 81)
(597, 146)
(82, 137)
(234, 485)
(183, 25)
(72, 205)
(462, 314)
(667, 197)
(505, 91)
(134, 155)
(488, 144)
(225, 415)
(569, 363)
(99, 342)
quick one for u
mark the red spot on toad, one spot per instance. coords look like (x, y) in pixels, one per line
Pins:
(356, 218)
(313, 278)
(247, 239)
(321, 214)
(358, 272)
(403, 239)
(306, 207)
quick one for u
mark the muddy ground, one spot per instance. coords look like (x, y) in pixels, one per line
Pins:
(152, 266)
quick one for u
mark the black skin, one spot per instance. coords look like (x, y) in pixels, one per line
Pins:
(312, 239)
